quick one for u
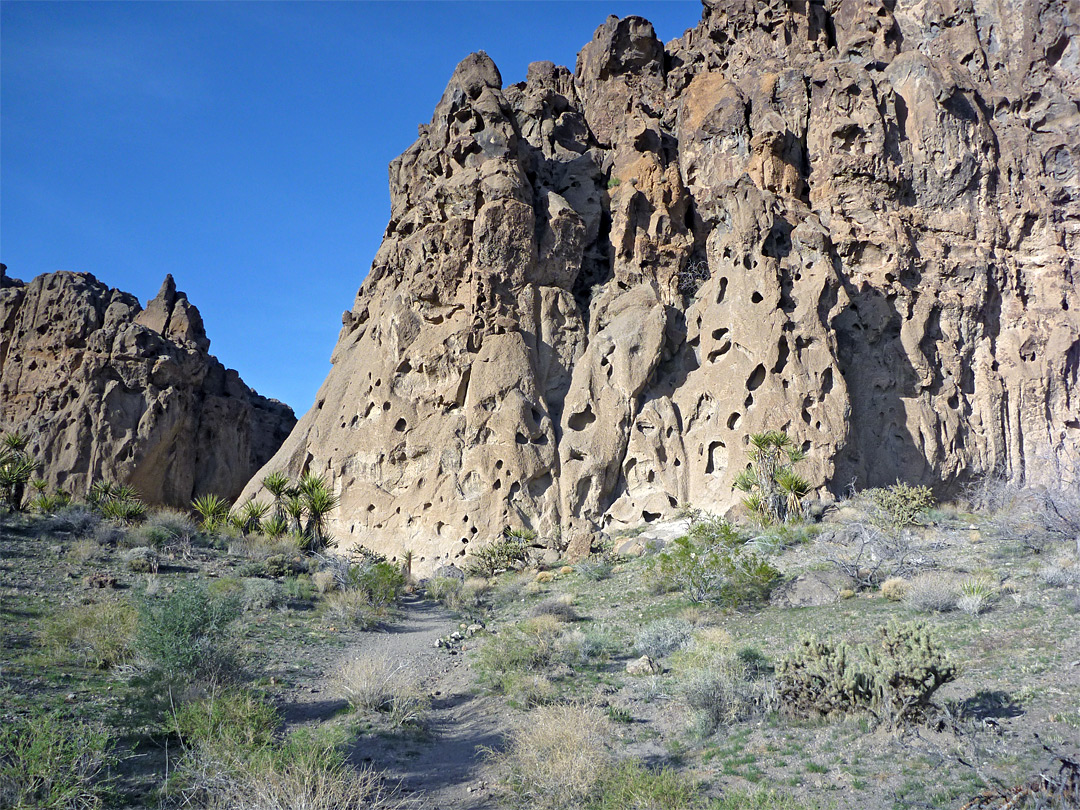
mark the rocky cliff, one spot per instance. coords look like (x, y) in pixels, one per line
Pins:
(107, 390)
(857, 221)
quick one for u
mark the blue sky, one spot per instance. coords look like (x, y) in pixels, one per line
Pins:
(242, 147)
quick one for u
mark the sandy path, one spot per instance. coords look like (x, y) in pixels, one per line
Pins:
(444, 764)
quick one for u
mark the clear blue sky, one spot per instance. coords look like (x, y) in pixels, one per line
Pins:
(241, 147)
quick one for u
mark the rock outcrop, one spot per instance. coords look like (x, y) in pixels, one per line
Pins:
(856, 221)
(107, 390)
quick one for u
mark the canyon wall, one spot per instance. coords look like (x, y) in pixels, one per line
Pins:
(105, 389)
(855, 221)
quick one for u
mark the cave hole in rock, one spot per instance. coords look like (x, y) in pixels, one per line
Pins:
(721, 291)
(386, 406)
(711, 463)
(404, 368)
(672, 502)
(717, 334)
(400, 425)
(465, 519)
(515, 488)
(757, 377)
(426, 506)
(748, 401)
(650, 476)
(499, 464)
(805, 416)
(576, 455)
(419, 482)
(355, 421)
(519, 438)
(397, 511)
(473, 530)
(954, 402)
(582, 419)
(826, 381)
(756, 298)
(497, 485)
(782, 354)
(371, 507)
(733, 420)
(676, 463)
(719, 351)
(649, 517)
(378, 383)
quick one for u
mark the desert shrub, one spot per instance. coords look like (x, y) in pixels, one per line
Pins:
(84, 551)
(141, 560)
(301, 587)
(446, 590)
(629, 785)
(230, 717)
(375, 684)
(508, 550)
(77, 520)
(351, 608)
(49, 763)
(557, 757)
(558, 607)
(579, 647)
(126, 510)
(595, 569)
(308, 770)
(895, 589)
(166, 529)
(933, 592)
(324, 581)
(663, 637)
(898, 505)
(894, 679)
(869, 555)
(186, 633)
(259, 547)
(724, 691)
(711, 563)
(1036, 516)
(524, 690)
(98, 635)
(1061, 573)
(381, 582)
(260, 594)
(976, 595)
(523, 647)
(760, 799)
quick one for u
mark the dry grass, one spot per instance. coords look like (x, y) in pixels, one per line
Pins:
(933, 592)
(559, 607)
(325, 581)
(373, 684)
(351, 608)
(557, 757)
(98, 635)
(84, 551)
(895, 589)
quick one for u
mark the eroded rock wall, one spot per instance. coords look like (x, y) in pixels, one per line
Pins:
(105, 389)
(854, 221)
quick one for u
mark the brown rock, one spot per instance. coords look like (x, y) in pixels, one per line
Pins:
(844, 221)
(107, 390)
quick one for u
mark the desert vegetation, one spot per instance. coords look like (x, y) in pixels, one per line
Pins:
(898, 652)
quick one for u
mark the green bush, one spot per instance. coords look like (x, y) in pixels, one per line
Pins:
(186, 633)
(49, 763)
(509, 549)
(899, 505)
(381, 582)
(519, 648)
(630, 785)
(230, 717)
(663, 637)
(260, 594)
(894, 680)
(712, 564)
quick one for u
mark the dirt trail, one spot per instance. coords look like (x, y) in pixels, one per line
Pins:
(443, 765)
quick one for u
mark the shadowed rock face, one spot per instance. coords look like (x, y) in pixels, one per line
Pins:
(107, 390)
(854, 221)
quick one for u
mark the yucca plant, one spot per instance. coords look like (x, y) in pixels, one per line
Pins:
(319, 502)
(250, 516)
(16, 469)
(124, 510)
(212, 510)
(294, 509)
(277, 484)
(774, 490)
(100, 492)
(275, 526)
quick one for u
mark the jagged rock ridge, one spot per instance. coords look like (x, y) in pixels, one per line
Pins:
(107, 390)
(854, 221)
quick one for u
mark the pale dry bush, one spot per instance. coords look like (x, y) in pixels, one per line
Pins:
(259, 548)
(375, 684)
(1061, 573)
(663, 637)
(933, 592)
(557, 757)
(727, 690)
(223, 781)
(895, 589)
(976, 595)
(351, 607)
(478, 586)
(325, 581)
(559, 607)
(84, 550)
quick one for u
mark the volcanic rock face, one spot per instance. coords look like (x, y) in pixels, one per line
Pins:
(107, 390)
(855, 221)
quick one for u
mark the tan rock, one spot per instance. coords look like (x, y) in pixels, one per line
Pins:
(107, 390)
(843, 221)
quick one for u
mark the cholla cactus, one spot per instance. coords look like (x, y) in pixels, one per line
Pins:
(907, 667)
(819, 678)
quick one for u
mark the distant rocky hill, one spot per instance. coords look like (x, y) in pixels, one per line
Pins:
(856, 221)
(105, 389)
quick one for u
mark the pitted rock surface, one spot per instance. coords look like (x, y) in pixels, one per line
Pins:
(855, 221)
(105, 389)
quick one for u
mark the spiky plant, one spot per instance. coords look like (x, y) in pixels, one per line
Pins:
(124, 510)
(275, 526)
(15, 442)
(319, 502)
(294, 509)
(250, 516)
(277, 484)
(16, 469)
(212, 510)
(774, 490)
(100, 492)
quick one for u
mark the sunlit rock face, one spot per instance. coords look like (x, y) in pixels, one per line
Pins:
(856, 222)
(107, 390)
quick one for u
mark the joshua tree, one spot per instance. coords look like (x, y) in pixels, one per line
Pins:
(773, 489)
(16, 468)
(319, 501)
